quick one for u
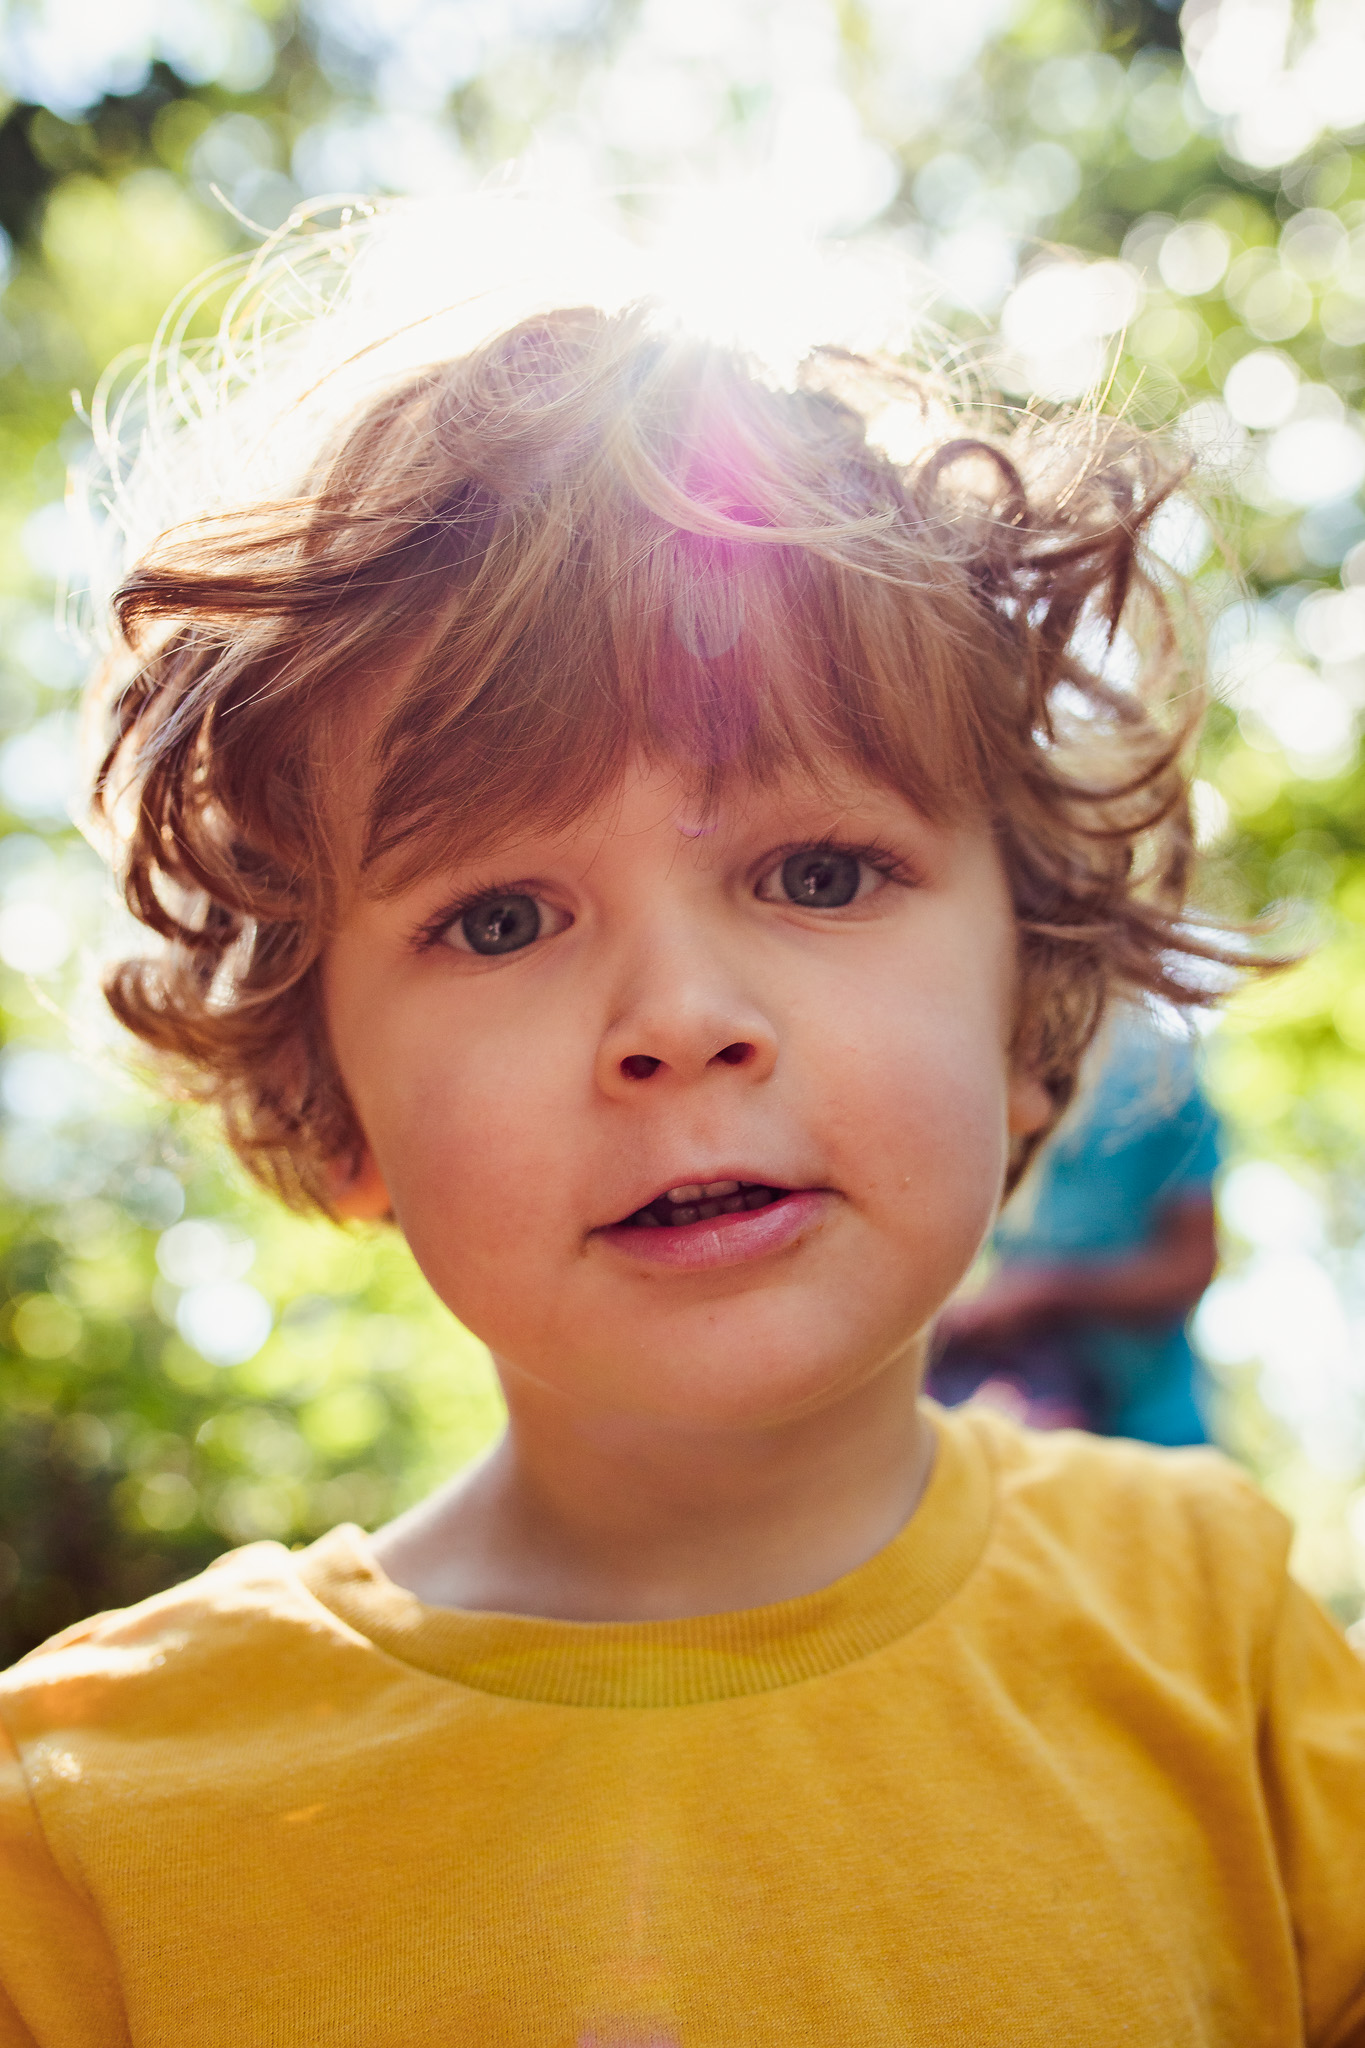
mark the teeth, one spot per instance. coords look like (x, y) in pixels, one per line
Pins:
(705, 1199)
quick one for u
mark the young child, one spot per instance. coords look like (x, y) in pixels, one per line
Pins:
(614, 821)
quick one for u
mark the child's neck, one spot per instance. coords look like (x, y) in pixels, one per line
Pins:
(587, 1517)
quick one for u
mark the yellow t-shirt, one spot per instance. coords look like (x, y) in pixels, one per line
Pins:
(1070, 1762)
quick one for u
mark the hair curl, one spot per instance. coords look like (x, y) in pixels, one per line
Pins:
(589, 537)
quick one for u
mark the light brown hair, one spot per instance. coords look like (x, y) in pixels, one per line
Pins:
(589, 537)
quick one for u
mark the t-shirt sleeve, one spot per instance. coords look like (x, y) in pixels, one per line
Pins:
(58, 1981)
(1314, 1746)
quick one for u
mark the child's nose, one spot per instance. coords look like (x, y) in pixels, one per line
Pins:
(638, 1066)
(666, 1029)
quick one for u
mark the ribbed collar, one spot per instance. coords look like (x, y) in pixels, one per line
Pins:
(679, 1663)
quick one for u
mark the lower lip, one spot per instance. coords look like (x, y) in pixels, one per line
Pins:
(721, 1240)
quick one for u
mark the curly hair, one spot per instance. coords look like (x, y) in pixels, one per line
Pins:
(593, 537)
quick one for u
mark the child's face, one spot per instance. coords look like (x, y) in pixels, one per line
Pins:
(796, 994)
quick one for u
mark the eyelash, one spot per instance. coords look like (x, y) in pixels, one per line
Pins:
(874, 852)
(433, 929)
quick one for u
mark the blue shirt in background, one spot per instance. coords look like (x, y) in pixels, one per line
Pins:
(1140, 1137)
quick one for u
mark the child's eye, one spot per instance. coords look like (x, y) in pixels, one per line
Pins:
(503, 924)
(820, 878)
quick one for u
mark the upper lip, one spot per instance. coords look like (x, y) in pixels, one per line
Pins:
(750, 1176)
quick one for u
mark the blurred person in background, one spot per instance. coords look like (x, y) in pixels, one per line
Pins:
(1102, 1256)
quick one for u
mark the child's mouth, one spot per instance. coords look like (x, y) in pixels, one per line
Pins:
(700, 1202)
(717, 1223)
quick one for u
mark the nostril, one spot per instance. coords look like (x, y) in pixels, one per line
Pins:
(735, 1055)
(638, 1066)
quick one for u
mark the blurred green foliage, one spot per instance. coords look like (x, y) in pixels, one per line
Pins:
(180, 1366)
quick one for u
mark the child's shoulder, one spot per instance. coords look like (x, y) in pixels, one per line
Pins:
(1070, 1471)
(1159, 1544)
(244, 1622)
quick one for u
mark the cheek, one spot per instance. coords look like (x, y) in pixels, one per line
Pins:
(921, 1114)
(939, 1124)
(468, 1134)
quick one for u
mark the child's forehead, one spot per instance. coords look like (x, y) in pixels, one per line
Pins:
(596, 626)
(676, 807)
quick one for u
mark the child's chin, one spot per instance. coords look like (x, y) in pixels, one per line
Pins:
(735, 1371)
